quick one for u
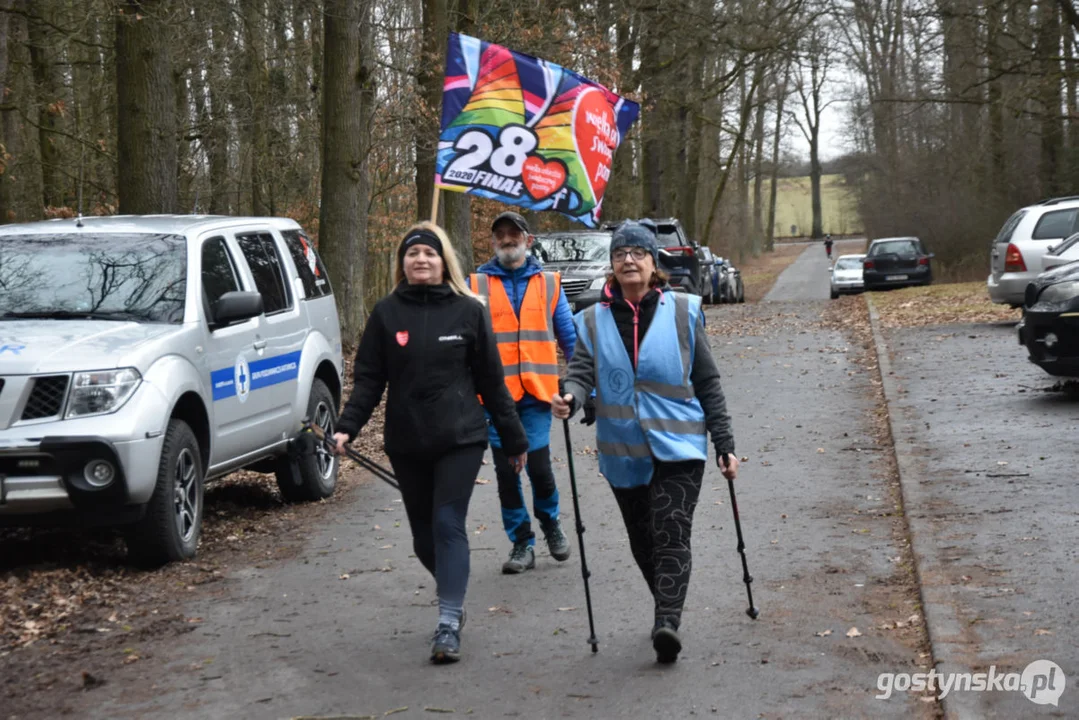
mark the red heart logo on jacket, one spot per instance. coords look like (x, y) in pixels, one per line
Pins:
(543, 179)
(402, 338)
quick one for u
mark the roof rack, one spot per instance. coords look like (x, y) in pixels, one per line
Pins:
(1054, 201)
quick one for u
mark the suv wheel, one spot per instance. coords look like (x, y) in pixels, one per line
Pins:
(170, 528)
(309, 470)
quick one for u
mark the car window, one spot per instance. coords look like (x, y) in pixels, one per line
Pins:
(262, 257)
(316, 283)
(576, 247)
(667, 236)
(848, 264)
(218, 270)
(902, 248)
(1006, 230)
(1055, 225)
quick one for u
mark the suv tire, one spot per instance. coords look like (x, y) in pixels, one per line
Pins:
(169, 530)
(309, 471)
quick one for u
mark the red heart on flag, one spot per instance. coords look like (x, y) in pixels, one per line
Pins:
(596, 135)
(402, 338)
(543, 179)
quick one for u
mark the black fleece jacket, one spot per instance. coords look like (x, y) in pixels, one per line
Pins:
(435, 350)
(704, 374)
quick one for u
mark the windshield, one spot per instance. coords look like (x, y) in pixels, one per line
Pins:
(902, 248)
(848, 264)
(121, 276)
(572, 248)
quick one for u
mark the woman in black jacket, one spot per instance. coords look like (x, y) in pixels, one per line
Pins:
(431, 342)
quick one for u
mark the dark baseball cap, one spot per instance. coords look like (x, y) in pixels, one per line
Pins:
(514, 218)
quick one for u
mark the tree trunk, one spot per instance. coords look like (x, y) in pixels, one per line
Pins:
(146, 127)
(776, 138)
(7, 119)
(429, 78)
(343, 213)
(51, 102)
(1051, 130)
(255, 104)
(217, 141)
(459, 205)
(758, 172)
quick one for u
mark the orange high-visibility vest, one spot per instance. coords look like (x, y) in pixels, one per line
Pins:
(526, 344)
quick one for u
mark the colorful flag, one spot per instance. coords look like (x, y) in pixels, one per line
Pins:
(527, 132)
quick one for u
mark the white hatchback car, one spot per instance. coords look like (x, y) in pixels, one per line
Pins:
(1018, 251)
(847, 275)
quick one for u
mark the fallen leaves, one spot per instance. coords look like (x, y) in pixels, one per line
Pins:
(939, 305)
(823, 633)
(854, 632)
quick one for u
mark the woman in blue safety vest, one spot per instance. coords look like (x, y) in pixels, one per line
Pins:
(645, 353)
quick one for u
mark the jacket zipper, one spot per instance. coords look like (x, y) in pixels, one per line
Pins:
(636, 324)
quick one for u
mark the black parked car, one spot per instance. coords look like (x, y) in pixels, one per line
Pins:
(1050, 325)
(896, 262)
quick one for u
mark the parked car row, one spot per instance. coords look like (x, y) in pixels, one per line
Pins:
(888, 263)
(582, 258)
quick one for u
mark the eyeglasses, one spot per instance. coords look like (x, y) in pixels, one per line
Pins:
(638, 253)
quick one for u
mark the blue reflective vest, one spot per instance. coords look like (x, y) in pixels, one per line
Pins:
(653, 413)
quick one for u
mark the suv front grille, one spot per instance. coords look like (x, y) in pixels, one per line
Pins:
(574, 286)
(47, 397)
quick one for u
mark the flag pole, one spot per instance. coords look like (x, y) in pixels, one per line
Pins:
(434, 205)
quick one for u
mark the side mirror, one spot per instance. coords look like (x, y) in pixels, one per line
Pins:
(932, 255)
(234, 307)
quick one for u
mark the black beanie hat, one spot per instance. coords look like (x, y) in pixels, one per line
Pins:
(420, 237)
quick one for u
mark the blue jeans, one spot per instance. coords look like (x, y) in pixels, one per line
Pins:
(536, 418)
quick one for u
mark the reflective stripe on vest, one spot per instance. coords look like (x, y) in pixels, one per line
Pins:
(526, 343)
(653, 412)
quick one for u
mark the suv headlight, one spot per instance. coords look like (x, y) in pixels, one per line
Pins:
(598, 283)
(101, 391)
(1061, 292)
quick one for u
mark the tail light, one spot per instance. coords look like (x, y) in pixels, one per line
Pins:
(867, 265)
(923, 260)
(1013, 260)
(686, 250)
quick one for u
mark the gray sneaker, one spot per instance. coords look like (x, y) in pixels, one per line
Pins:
(522, 557)
(557, 543)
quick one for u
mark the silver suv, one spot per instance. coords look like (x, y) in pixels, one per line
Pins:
(142, 356)
(1018, 251)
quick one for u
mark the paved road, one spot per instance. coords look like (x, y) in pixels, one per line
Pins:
(295, 639)
(998, 507)
(816, 498)
(805, 279)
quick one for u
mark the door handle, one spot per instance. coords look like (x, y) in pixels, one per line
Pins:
(260, 344)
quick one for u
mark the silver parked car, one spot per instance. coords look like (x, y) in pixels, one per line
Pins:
(142, 356)
(1018, 250)
(847, 275)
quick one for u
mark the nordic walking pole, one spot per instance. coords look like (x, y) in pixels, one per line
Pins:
(580, 539)
(362, 460)
(752, 611)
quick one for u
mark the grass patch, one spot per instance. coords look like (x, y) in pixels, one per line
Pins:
(940, 305)
(794, 206)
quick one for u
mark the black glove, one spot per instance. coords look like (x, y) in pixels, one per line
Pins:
(589, 412)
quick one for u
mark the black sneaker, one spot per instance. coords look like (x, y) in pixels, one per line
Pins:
(522, 557)
(666, 642)
(557, 543)
(446, 647)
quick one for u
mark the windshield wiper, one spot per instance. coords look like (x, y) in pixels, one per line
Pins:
(74, 315)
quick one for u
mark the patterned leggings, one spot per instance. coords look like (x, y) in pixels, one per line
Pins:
(659, 518)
